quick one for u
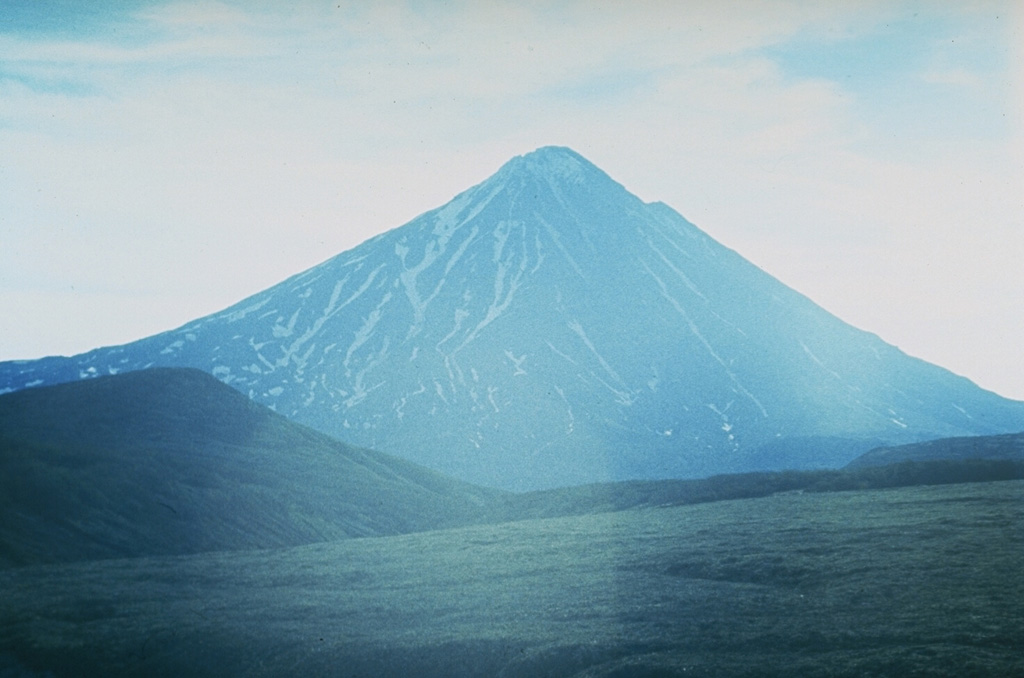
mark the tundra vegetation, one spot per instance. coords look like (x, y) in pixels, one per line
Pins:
(910, 581)
(161, 524)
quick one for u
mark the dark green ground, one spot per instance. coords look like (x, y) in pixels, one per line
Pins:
(920, 581)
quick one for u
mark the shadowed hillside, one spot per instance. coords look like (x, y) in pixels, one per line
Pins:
(1009, 446)
(171, 461)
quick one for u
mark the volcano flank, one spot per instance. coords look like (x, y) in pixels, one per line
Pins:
(546, 328)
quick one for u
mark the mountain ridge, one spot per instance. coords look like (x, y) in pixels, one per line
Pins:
(1006, 446)
(546, 327)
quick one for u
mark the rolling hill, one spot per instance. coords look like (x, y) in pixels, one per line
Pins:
(1009, 446)
(172, 461)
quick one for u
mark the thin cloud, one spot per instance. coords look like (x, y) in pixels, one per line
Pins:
(958, 77)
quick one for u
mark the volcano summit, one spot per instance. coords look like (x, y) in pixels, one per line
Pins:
(545, 328)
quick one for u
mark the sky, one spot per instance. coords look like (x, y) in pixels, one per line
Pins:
(160, 161)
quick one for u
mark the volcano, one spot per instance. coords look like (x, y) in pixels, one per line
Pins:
(546, 328)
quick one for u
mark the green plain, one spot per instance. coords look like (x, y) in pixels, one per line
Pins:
(919, 581)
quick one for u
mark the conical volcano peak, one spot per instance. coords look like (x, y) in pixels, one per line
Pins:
(554, 163)
(547, 327)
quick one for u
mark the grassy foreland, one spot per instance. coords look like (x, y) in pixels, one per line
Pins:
(603, 497)
(922, 581)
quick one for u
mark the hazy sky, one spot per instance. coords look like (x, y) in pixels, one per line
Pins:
(160, 161)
